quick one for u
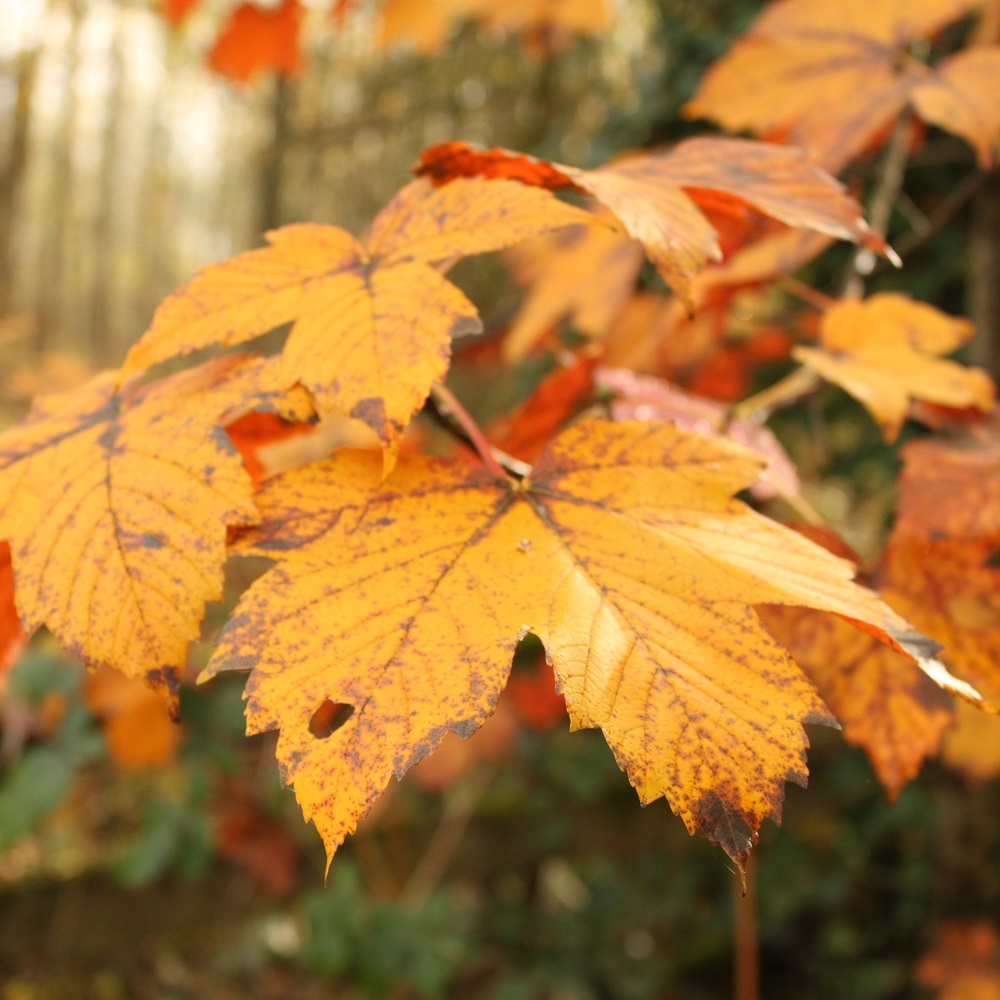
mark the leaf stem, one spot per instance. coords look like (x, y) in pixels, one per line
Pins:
(806, 293)
(456, 416)
(887, 188)
(789, 390)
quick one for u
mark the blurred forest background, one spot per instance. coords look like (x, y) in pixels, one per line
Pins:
(141, 860)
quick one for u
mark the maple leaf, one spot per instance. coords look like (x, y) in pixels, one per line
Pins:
(882, 351)
(256, 38)
(961, 97)
(885, 703)
(584, 275)
(662, 199)
(373, 322)
(624, 552)
(950, 590)
(116, 504)
(637, 397)
(830, 77)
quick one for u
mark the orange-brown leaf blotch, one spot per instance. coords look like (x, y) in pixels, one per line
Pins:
(883, 351)
(116, 507)
(12, 637)
(657, 196)
(373, 323)
(624, 552)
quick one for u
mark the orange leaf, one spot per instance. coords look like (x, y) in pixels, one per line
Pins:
(561, 395)
(12, 637)
(175, 11)
(656, 196)
(139, 732)
(882, 351)
(255, 39)
(965, 963)
(952, 486)
(885, 703)
(639, 397)
(949, 590)
(373, 323)
(830, 77)
(583, 275)
(961, 97)
(624, 552)
(116, 509)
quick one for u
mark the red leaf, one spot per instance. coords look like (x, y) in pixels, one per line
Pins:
(256, 39)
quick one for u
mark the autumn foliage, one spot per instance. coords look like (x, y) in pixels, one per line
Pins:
(698, 634)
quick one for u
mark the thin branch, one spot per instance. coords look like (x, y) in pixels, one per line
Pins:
(456, 419)
(790, 389)
(887, 188)
(806, 293)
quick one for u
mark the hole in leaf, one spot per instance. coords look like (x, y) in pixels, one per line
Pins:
(328, 718)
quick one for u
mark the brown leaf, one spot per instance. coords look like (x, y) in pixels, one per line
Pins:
(116, 505)
(373, 323)
(624, 552)
(656, 196)
(882, 351)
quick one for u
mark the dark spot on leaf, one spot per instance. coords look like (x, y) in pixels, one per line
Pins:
(148, 541)
(371, 412)
(384, 522)
(465, 326)
(328, 718)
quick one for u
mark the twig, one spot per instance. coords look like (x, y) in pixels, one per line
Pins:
(447, 836)
(746, 940)
(789, 390)
(890, 182)
(806, 293)
(456, 419)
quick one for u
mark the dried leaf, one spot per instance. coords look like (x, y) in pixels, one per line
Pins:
(657, 196)
(882, 351)
(116, 507)
(258, 38)
(373, 323)
(623, 552)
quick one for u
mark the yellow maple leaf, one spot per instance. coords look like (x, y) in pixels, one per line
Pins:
(373, 321)
(883, 352)
(116, 504)
(624, 552)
